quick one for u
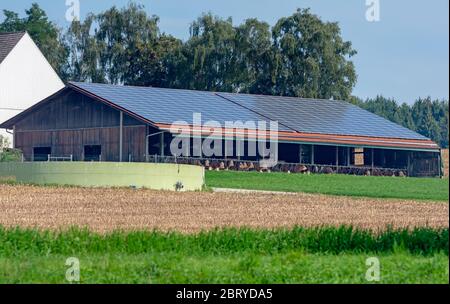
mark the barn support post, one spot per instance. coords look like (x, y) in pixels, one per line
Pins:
(348, 156)
(372, 164)
(121, 137)
(161, 143)
(337, 159)
(440, 163)
(409, 163)
(300, 154)
(14, 137)
(312, 155)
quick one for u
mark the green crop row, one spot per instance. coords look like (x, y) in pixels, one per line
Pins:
(326, 240)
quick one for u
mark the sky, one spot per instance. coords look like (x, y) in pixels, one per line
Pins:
(404, 55)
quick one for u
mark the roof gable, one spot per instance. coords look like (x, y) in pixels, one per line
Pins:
(8, 42)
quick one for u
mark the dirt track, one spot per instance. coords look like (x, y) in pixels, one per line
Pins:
(109, 209)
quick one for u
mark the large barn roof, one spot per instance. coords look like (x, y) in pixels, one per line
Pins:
(167, 106)
(300, 120)
(322, 116)
(7, 42)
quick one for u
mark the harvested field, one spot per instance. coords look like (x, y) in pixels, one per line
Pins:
(104, 210)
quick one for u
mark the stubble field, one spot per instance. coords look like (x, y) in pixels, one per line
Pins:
(106, 210)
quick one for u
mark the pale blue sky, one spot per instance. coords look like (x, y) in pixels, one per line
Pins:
(405, 55)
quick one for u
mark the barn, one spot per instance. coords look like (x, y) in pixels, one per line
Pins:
(26, 77)
(111, 123)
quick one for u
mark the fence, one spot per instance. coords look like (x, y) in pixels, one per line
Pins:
(246, 165)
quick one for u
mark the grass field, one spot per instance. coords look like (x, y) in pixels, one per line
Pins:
(348, 185)
(320, 255)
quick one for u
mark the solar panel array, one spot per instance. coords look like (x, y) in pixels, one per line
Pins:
(293, 114)
(322, 116)
(169, 106)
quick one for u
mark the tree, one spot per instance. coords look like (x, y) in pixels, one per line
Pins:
(125, 37)
(312, 59)
(4, 143)
(84, 55)
(255, 58)
(44, 32)
(210, 55)
(123, 46)
(427, 117)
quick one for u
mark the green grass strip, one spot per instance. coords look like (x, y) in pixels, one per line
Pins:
(434, 189)
(326, 240)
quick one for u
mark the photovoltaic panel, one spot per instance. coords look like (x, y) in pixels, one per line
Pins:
(168, 106)
(322, 116)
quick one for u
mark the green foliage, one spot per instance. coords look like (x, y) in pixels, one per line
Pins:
(427, 117)
(326, 240)
(4, 143)
(44, 32)
(312, 58)
(6, 153)
(10, 155)
(245, 268)
(336, 184)
(299, 255)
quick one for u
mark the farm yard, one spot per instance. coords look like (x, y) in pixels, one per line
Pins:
(123, 235)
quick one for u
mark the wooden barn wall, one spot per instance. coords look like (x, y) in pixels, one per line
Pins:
(73, 110)
(71, 121)
(71, 142)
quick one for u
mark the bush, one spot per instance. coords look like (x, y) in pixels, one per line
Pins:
(8, 155)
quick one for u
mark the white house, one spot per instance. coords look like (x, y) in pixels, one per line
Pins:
(26, 77)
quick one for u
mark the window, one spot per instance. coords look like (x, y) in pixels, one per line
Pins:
(41, 153)
(92, 153)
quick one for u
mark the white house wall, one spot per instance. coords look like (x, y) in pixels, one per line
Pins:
(26, 78)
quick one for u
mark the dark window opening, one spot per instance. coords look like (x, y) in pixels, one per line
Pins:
(41, 153)
(92, 153)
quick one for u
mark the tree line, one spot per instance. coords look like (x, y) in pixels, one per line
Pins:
(300, 55)
(425, 116)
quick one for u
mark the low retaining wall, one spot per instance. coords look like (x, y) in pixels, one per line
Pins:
(153, 176)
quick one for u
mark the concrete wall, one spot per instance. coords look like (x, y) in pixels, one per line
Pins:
(153, 176)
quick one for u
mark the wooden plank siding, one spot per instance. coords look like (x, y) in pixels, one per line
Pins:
(72, 121)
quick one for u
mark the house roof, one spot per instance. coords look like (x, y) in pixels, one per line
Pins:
(7, 42)
(299, 120)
